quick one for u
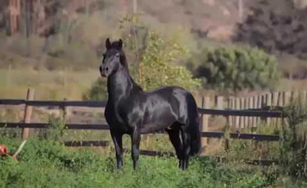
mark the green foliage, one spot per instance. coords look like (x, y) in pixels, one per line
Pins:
(156, 68)
(45, 163)
(293, 150)
(156, 55)
(237, 68)
(55, 130)
(98, 91)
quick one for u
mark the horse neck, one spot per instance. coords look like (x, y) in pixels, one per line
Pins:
(120, 84)
(123, 61)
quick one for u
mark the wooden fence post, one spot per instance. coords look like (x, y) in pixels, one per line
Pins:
(275, 103)
(237, 118)
(205, 122)
(230, 106)
(250, 106)
(259, 106)
(220, 102)
(28, 114)
(246, 107)
(263, 105)
(255, 102)
(268, 98)
(241, 118)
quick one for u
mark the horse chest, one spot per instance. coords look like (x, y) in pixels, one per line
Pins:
(115, 120)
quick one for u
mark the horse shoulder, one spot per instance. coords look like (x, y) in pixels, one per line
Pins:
(108, 113)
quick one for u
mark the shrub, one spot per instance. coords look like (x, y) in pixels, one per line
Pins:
(237, 68)
(55, 130)
(294, 150)
(98, 91)
(156, 69)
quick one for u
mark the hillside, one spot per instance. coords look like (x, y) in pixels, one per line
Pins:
(217, 18)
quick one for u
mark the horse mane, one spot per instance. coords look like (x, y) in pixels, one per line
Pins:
(123, 59)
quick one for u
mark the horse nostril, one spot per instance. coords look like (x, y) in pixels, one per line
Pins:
(100, 68)
(107, 69)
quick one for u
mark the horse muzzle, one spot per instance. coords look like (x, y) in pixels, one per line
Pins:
(102, 73)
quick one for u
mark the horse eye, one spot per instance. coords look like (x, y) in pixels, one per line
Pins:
(117, 55)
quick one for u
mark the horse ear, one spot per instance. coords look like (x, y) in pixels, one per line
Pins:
(120, 43)
(108, 44)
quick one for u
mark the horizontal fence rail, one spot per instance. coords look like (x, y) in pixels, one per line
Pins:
(45, 125)
(259, 137)
(53, 103)
(251, 113)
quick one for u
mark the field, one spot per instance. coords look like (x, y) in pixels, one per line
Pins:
(60, 84)
(49, 164)
(49, 85)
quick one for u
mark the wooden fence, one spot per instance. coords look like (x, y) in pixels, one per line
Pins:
(264, 102)
(231, 114)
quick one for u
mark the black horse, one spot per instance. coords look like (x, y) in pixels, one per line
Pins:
(132, 111)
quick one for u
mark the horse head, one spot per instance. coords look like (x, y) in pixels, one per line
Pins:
(116, 47)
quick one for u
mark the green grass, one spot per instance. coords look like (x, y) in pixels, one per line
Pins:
(49, 164)
(240, 149)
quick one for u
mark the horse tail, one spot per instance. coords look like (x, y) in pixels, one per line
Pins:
(194, 127)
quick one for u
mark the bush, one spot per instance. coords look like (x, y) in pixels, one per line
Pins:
(294, 150)
(55, 130)
(98, 91)
(237, 68)
(156, 69)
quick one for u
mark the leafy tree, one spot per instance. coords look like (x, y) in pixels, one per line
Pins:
(236, 68)
(156, 69)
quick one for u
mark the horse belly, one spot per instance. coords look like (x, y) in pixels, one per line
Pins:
(157, 124)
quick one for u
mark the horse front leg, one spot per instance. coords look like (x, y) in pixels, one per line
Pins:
(117, 139)
(135, 145)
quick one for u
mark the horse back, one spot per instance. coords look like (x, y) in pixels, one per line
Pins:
(164, 107)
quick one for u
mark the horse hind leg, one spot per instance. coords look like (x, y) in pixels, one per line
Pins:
(186, 148)
(174, 135)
